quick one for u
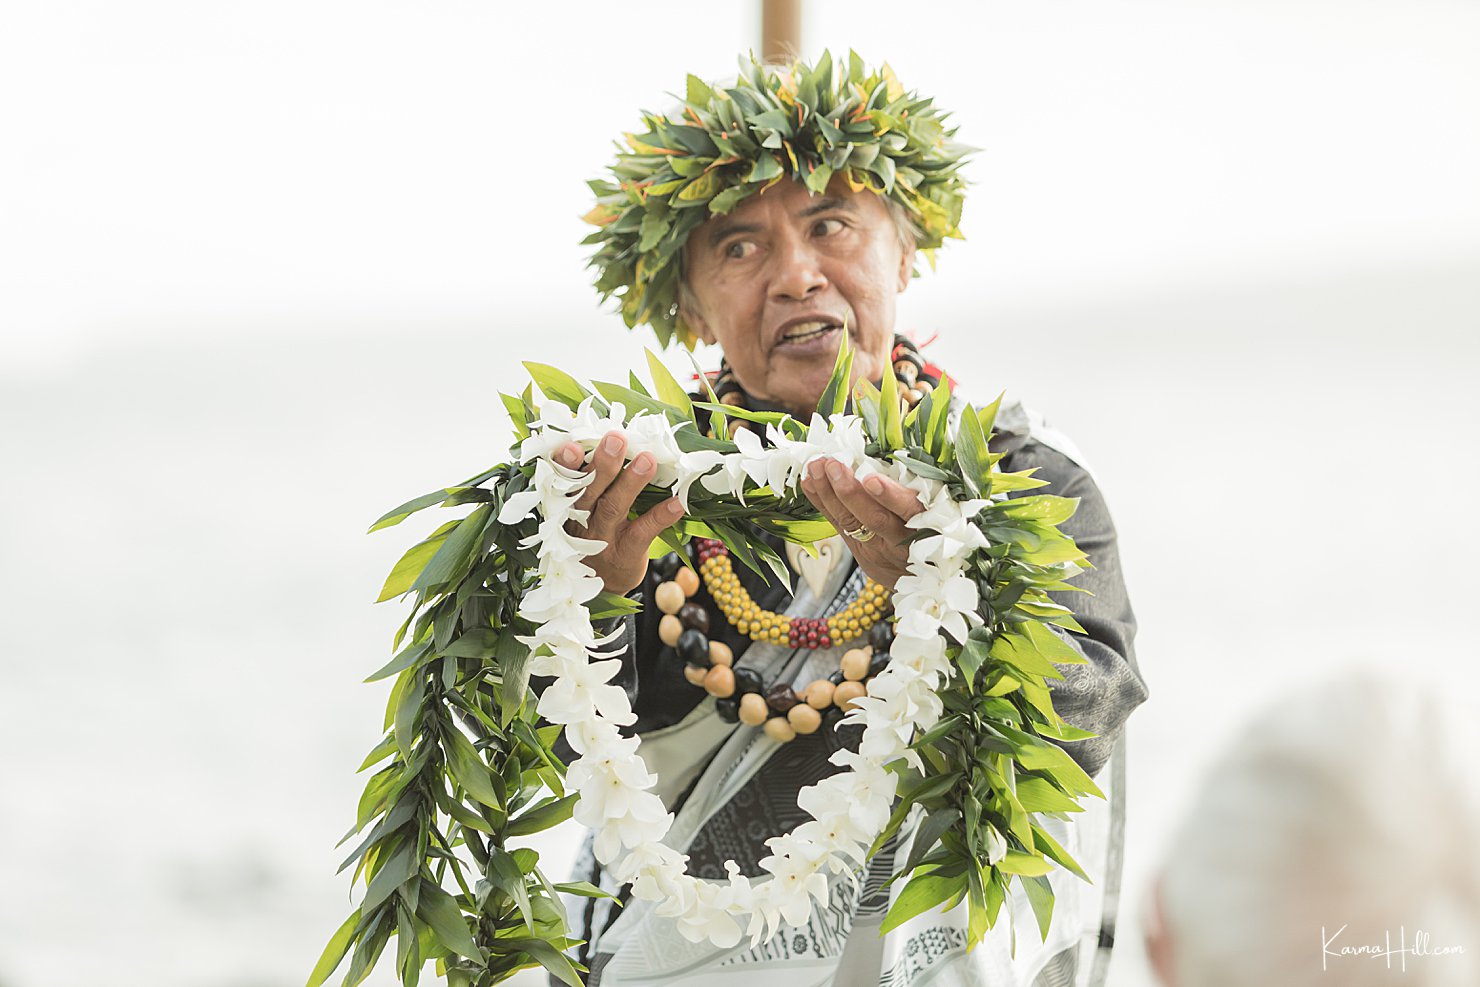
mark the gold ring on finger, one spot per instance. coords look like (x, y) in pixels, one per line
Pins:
(860, 534)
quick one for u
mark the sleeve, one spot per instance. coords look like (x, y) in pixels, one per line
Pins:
(1100, 695)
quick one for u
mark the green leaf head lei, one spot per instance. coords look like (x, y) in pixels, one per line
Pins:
(806, 122)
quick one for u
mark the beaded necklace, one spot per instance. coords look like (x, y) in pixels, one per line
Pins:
(740, 694)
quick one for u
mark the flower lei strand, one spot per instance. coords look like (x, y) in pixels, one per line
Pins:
(955, 724)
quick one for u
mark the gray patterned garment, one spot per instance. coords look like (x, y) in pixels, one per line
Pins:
(732, 788)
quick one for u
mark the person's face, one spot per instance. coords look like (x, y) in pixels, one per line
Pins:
(774, 282)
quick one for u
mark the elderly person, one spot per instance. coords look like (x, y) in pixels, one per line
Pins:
(1333, 843)
(807, 236)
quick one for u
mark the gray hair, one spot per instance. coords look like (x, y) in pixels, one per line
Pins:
(1340, 809)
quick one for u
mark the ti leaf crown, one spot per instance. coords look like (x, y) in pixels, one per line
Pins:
(810, 123)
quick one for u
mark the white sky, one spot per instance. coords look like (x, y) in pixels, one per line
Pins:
(179, 168)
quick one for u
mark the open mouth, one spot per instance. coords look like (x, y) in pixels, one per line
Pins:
(804, 332)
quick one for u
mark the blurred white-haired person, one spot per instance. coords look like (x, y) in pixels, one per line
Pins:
(1335, 843)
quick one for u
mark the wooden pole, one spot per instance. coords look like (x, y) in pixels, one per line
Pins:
(781, 30)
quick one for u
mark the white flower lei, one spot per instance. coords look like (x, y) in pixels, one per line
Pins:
(848, 809)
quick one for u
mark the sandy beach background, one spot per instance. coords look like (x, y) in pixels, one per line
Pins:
(232, 339)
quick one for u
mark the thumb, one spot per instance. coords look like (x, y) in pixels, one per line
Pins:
(643, 529)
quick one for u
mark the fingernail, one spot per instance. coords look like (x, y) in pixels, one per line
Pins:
(874, 485)
(612, 444)
(643, 464)
(569, 458)
(674, 508)
(834, 471)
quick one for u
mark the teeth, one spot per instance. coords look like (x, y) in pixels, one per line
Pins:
(806, 329)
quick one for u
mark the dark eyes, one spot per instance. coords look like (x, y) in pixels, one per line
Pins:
(741, 249)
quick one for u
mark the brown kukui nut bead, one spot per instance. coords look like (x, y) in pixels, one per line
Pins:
(844, 694)
(669, 596)
(720, 682)
(855, 664)
(753, 709)
(924, 386)
(907, 370)
(720, 653)
(781, 698)
(803, 718)
(669, 628)
(732, 398)
(688, 581)
(696, 674)
(779, 729)
(695, 616)
(819, 694)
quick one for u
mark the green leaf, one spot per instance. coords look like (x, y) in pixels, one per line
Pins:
(935, 428)
(1049, 846)
(412, 506)
(987, 417)
(925, 891)
(766, 167)
(1025, 864)
(334, 951)
(817, 181)
(890, 427)
(513, 670)
(408, 709)
(1040, 896)
(453, 557)
(835, 395)
(468, 769)
(1037, 794)
(585, 889)
(439, 910)
(546, 956)
(1045, 508)
(632, 400)
(971, 452)
(399, 868)
(979, 910)
(667, 387)
(557, 384)
(406, 571)
(1053, 647)
(1017, 649)
(929, 833)
(407, 657)
(480, 642)
(545, 814)
(698, 93)
(508, 877)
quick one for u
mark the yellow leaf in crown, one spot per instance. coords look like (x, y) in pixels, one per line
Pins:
(892, 89)
(601, 215)
(702, 187)
(642, 148)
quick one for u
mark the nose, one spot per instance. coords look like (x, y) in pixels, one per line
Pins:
(796, 269)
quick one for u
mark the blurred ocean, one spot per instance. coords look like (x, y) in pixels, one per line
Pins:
(187, 577)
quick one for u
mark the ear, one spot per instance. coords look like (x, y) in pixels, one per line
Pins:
(906, 266)
(689, 315)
